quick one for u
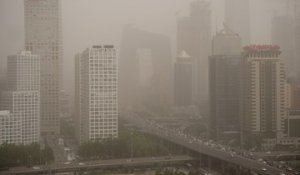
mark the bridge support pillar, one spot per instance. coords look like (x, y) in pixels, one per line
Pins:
(209, 161)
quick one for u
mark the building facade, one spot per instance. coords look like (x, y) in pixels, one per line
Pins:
(146, 72)
(22, 98)
(263, 92)
(8, 133)
(183, 80)
(98, 93)
(224, 86)
(43, 36)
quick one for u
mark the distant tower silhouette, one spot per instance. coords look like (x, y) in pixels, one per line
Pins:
(224, 86)
(194, 37)
(183, 80)
(237, 17)
(43, 36)
(159, 90)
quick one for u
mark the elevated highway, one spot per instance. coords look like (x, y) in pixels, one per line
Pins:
(113, 164)
(216, 159)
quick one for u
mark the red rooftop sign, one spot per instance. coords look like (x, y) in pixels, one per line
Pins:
(257, 48)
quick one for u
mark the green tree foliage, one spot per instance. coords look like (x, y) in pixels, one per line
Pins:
(129, 144)
(24, 155)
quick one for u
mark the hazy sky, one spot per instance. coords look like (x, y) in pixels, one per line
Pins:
(88, 22)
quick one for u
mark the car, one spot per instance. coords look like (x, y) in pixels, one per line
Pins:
(264, 169)
(67, 163)
(289, 169)
(36, 167)
(81, 163)
(282, 173)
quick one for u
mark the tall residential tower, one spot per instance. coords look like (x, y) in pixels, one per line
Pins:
(22, 100)
(263, 89)
(98, 93)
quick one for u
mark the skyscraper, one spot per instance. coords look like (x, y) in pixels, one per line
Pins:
(77, 98)
(194, 37)
(142, 49)
(264, 82)
(43, 36)
(98, 93)
(237, 17)
(22, 98)
(183, 80)
(224, 86)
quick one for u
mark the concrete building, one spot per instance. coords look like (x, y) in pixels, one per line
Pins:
(145, 70)
(98, 93)
(43, 36)
(194, 37)
(8, 134)
(183, 80)
(78, 123)
(224, 86)
(293, 87)
(22, 98)
(293, 123)
(264, 111)
(65, 106)
(237, 17)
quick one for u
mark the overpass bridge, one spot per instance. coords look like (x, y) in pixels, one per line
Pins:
(216, 159)
(103, 165)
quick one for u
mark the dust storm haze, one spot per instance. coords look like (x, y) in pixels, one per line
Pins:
(86, 23)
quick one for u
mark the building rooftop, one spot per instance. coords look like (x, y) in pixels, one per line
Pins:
(4, 112)
(104, 46)
(183, 56)
(262, 50)
(259, 48)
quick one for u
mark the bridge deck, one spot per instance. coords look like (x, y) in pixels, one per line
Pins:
(102, 164)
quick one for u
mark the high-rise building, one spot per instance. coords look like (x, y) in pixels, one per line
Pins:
(43, 36)
(237, 17)
(145, 70)
(224, 86)
(283, 34)
(183, 80)
(194, 37)
(77, 118)
(22, 98)
(263, 106)
(98, 93)
(8, 134)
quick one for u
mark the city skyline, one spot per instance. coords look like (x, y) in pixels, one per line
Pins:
(165, 25)
(168, 87)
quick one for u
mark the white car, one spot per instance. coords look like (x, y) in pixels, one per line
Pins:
(36, 167)
(81, 163)
(264, 169)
